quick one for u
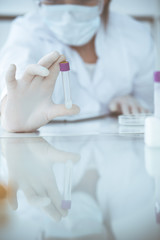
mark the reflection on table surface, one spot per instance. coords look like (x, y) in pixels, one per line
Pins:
(88, 186)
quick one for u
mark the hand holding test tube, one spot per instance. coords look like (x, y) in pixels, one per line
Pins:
(64, 68)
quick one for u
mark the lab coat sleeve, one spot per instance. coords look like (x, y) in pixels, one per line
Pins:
(143, 79)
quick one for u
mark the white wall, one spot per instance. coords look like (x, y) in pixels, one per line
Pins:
(132, 7)
(15, 7)
(142, 8)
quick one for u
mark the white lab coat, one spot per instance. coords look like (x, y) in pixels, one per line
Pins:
(125, 65)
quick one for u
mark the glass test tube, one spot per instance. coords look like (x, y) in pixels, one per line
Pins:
(66, 202)
(157, 94)
(64, 68)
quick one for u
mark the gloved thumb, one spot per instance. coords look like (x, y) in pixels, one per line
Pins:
(59, 110)
(10, 77)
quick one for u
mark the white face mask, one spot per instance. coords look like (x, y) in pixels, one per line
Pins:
(72, 24)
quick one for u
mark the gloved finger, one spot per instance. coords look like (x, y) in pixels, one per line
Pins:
(124, 108)
(61, 156)
(36, 194)
(56, 199)
(53, 72)
(58, 110)
(52, 212)
(113, 107)
(34, 198)
(49, 59)
(39, 201)
(143, 110)
(10, 77)
(51, 153)
(54, 194)
(34, 70)
(134, 109)
(12, 194)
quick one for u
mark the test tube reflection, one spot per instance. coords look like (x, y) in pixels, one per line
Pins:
(152, 157)
(66, 202)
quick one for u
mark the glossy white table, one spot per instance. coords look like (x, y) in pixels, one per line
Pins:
(112, 181)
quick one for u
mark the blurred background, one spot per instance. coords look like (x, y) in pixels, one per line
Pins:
(147, 11)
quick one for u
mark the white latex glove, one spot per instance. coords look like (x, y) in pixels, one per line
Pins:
(28, 104)
(30, 165)
(126, 105)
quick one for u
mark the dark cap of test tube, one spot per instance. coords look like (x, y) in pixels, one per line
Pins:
(64, 66)
(157, 77)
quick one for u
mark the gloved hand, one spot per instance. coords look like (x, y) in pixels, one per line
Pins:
(30, 168)
(28, 104)
(126, 105)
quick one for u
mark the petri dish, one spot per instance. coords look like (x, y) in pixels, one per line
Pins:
(133, 119)
(131, 129)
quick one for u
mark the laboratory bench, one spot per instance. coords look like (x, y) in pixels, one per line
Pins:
(90, 179)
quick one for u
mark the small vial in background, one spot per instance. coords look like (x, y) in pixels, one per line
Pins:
(133, 119)
(157, 94)
(66, 202)
(152, 124)
(65, 68)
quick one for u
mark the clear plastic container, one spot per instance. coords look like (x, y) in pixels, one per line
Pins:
(130, 129)
(133, 119)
